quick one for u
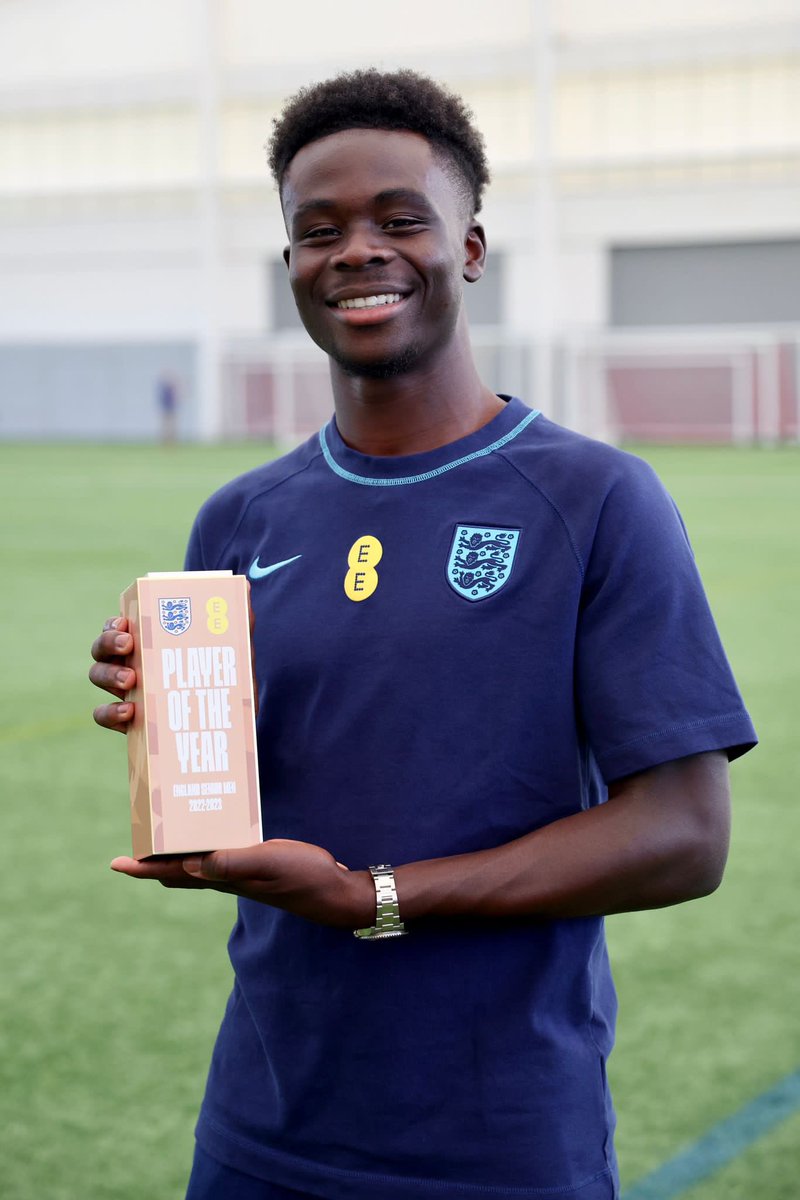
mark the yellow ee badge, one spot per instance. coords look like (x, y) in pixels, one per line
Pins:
(217, 610)
(362, 578)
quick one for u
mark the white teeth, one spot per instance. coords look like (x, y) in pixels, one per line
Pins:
(370, 301)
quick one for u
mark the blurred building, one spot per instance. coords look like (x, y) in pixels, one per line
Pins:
(643, 222)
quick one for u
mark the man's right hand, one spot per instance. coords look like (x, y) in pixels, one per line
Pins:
(110, 673)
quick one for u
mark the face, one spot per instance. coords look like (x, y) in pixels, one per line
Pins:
(380, 246)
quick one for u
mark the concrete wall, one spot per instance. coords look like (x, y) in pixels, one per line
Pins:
(94, 391)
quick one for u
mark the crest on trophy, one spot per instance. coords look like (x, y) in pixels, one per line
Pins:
(480, 560)
(175, 614)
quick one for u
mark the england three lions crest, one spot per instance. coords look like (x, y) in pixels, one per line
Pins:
(480, 560)
(175, 614)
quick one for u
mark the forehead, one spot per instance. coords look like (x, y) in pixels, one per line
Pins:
(355, 165)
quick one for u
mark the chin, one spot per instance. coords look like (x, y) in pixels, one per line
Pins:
(382, 368)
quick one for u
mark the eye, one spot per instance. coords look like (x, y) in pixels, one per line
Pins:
(403, 224)
(321, 231)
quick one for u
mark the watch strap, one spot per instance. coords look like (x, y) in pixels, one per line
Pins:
(387, 910)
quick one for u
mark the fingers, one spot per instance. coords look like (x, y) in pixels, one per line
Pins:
(112, 647)
(112, 677)
(114, 641)
(275, 865)
(297, 876)
(261, 862)
(147, 869)
(114, 716)
(109, 671)
(166, 871)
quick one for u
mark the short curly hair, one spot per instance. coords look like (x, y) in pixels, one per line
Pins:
(373, 99)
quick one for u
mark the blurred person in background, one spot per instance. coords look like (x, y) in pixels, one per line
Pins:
(167, 394)
(494, 708)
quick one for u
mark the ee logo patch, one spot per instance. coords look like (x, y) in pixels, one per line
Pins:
(362, 578)
(217, 610)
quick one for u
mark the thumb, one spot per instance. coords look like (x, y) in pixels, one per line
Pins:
(196, 865)
(222, 866)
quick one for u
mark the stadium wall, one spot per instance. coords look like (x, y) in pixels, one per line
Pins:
(94, 392)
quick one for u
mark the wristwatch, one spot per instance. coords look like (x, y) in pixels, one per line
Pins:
(387, 916)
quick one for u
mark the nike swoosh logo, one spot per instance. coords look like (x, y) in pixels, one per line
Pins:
(257, 572)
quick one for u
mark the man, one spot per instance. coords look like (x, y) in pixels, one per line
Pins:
(485, 659)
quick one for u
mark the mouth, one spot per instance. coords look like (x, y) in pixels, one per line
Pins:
(370, 301)
(368, 309)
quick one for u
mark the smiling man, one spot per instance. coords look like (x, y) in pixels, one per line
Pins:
(494, 708)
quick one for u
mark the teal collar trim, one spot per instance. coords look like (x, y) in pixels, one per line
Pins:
(402, 480)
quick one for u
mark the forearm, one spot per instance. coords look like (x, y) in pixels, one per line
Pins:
(659, 840)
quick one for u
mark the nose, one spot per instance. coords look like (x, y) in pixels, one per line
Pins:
(361, 247)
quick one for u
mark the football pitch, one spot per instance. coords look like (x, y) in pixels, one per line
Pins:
(111, 991)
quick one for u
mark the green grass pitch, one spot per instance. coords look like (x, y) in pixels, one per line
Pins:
(111, 991)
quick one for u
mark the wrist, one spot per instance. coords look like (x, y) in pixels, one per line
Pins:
(361, 902)
(443, 887)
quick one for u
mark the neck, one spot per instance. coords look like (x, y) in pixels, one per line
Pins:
(422, 409)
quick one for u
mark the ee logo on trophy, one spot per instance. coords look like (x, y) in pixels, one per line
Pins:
(362, 578)
(217, 610)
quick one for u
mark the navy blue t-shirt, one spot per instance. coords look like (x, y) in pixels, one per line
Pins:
(453, 649)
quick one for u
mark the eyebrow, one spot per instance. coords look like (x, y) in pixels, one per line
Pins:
(407, 195)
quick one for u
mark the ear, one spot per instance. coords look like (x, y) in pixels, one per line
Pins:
(474, 252)
(286, 255)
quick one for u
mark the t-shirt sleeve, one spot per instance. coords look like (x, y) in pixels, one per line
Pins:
(652, 680)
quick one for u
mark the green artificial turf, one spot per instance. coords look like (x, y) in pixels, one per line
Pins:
(709, 991)
(766, 1169)
(111, 991)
